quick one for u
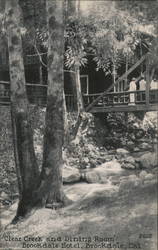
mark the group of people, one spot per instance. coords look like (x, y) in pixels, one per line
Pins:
(141, 86)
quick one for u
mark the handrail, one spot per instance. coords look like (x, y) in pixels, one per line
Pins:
(4, 82)
(118, 80)
(27, 84)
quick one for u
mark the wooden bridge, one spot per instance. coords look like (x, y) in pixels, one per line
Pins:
(94, 103)
(108, 101)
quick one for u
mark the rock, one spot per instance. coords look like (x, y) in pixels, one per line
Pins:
(132, 137)
(102, 173)
(148, 183)
(130, 145)
(102, 191)
(132, 177)
(128, 165)
(149, 177)
(92, 177)
(115, 180)
(139, 133)
(92, 163)
(143, 174)
(148, 160)
(109, 157)
(122, 151)
(4, 196)
(130, 159)
(114, 165)
(71, 175)
(97, 195)
(129, 182)
(144, 146)
(136, 149)
(155, 171)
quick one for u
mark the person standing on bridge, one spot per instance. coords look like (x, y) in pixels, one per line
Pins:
(142, 84)
(142, 87)
(154, 84)
(2, 90)
(132, 87)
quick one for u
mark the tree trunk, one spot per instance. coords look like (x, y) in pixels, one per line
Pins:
(27, 169)
(79, 100)
(126, 80)
(73, 85)
(51, 177)
(73, 8)
(80, 106)
(66, 124)
(40, 74)
(76, 89)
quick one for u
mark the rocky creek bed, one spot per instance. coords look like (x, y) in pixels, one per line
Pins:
(109, 173)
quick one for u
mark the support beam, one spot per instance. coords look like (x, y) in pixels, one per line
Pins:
(147, 82)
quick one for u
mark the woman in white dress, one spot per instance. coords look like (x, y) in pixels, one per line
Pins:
(132, 87)
(142, 87)
(154, 84)
(142, 84)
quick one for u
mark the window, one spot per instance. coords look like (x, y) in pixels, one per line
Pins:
(84, 84)
(3, 57)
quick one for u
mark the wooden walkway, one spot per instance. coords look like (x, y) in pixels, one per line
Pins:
(102, 102)
(108, 101)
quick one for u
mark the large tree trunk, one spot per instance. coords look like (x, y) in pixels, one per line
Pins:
(51, 176)
(76, 87)
(27, 169)
(73, 9)
(66, 123)
(80, 105)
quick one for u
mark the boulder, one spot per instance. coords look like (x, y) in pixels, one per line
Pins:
(148, 183)
(129, 182)
(102, 173)
(149, 177)
(143, 174)
(128, 165)
(130, 159)
(114, 180)
(84, 163)
(136, 149)
(155, 171)
(148, 160)
(122, 151)
(4, 195)
(97, 195)
(102, 191)
(109, 157)
(145, 146)
(71, 175)
(113, 165)
(93, 177)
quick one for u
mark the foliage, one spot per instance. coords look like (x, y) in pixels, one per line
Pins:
(8, 177)
(76, 40)
(111, 34)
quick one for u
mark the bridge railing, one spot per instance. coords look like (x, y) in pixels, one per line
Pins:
(121, 98)
(37, 94)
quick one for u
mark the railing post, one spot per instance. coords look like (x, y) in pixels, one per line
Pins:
(147, 82)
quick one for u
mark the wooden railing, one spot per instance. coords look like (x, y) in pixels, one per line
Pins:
(120, 79)
(121, 98)
(37, 94)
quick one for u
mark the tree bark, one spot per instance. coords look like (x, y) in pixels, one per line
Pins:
(27, 169)
(66, 123)
(51, 177)
(73, 8)
(80, 105)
